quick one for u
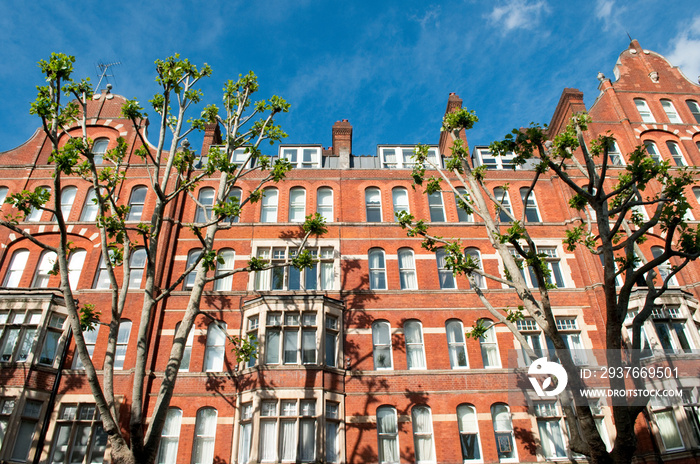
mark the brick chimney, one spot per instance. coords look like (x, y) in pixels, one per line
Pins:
(570, 103)
(212, 136)
(454, 103)
(342, 143)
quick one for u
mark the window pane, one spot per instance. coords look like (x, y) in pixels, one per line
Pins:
(373, 205)
(272, 347)
(324, 199)
(437, 211)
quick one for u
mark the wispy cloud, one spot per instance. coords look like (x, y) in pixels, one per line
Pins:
(685, 49)
(518, 14)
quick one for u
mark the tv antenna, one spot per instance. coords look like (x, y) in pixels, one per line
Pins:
(103, 73)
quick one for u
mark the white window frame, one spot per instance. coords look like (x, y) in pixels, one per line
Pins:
(215, 349)
(488, 342)
(462, 215)
(225, 284)
(503, 431)
(245, 433)
(423, 432)
(653, 151)
(67, 200)
(76, 261)
(549, 428)
(376, 260)
(90, 207)
(99, 148)
(399, 197)
(382, 347)
(75, 418)
(503, 196)
(445, 276)
(373, 204)
(573, 338)
(407, 269)
(90, 338)
(456, 344)
(401, 157)
(42, 275)
(662, 409)
(192, 257)
(269, 206)
(530, 206)
(15, 271)
(676, 329)
(319, 277)
(297, 204)
(302, 157)
(204, 435)
(670, 111)
(694, 108)
(676, 153)
(295, 420)
(186, 349)
(170, 436)
(122, 343)
(137, 204)
(137, 263)
(387, 435)
(324, 203)
(645, 113)
(436, 207)
(20, 331)
(486, 158)
(476, 256)
(35, 214)
(24, 437)
(415, 345)
(469, 427)
(615, 155)
(206, 198)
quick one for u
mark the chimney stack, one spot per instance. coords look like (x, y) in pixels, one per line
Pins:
(342, 143)
(454, 103)
(212, 136)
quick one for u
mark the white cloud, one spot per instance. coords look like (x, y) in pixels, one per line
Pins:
(609, 13)
(685, 49)
(518, 14)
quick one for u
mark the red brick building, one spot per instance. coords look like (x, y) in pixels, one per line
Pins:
(362, 358)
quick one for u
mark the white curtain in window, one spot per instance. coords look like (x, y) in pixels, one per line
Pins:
(423, 434)
(268, 441)
(75, 266)
(414, 345)
(67, 200)
(551, 438)
(307, 440)
(331, 442)
(407, 268)
(244, 444)
(167, 453)
(668, 429)
(272, 347)
(17, 265)
(122, 342)
(288, 440)
(377, 273)
(455, 342)
(388, 444)
(489, 347)
(324, 200)
(216, 342)
(326, 276)
(205, 434)
(41, 279)
(89, 212)
(225, 283)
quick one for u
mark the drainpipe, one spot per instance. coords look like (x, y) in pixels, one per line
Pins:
(52, 399)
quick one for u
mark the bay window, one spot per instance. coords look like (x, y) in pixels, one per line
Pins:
(18, 329)
(246, 433)
(25, 431)
(320, 276)
(79, 436)
(665, 420)
(332, 431)
(672, 330)
(288, 430)
(549, 428)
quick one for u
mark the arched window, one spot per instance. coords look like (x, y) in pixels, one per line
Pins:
(90, 208)
(99, 148)
(122, 343)
(297, 204)
(532, 214)
(670, 111)
(192, 258)
(447, 279)
(187, 349)
(502, 196)
(167, 452)
(204, 436)
(475, 256)
(381, 344)
(324, 203)
(387, 431)
(665, 268)
(45, 266)
(423, 434)
(137, 263)
(644, 111)
(456, 344)
(269, 205)
(373, 204)
(694, 109)
(75, 267)
(136, 202)
(653, 151)
(216, 344)
(503, 430)
(614, 154)
(436, 207)
(67, 200)
(90, 337)
(3, 195)
(400, 200)
(676, 153)
(224, 284)
(36, 213)
(469, 432)
(462, 214)
(415, 351)
(407, 269)
(489, 346)
(205, 198)
(234, 193)
(16, 268)
(377, 269)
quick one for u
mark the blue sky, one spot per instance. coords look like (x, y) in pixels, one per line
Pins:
(387, 66)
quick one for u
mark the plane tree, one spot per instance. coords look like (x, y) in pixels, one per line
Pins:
(610, 224)
(173, 172)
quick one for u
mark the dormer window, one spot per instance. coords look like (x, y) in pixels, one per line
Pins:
(402, 157)
(483, 157)
(302, 157)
